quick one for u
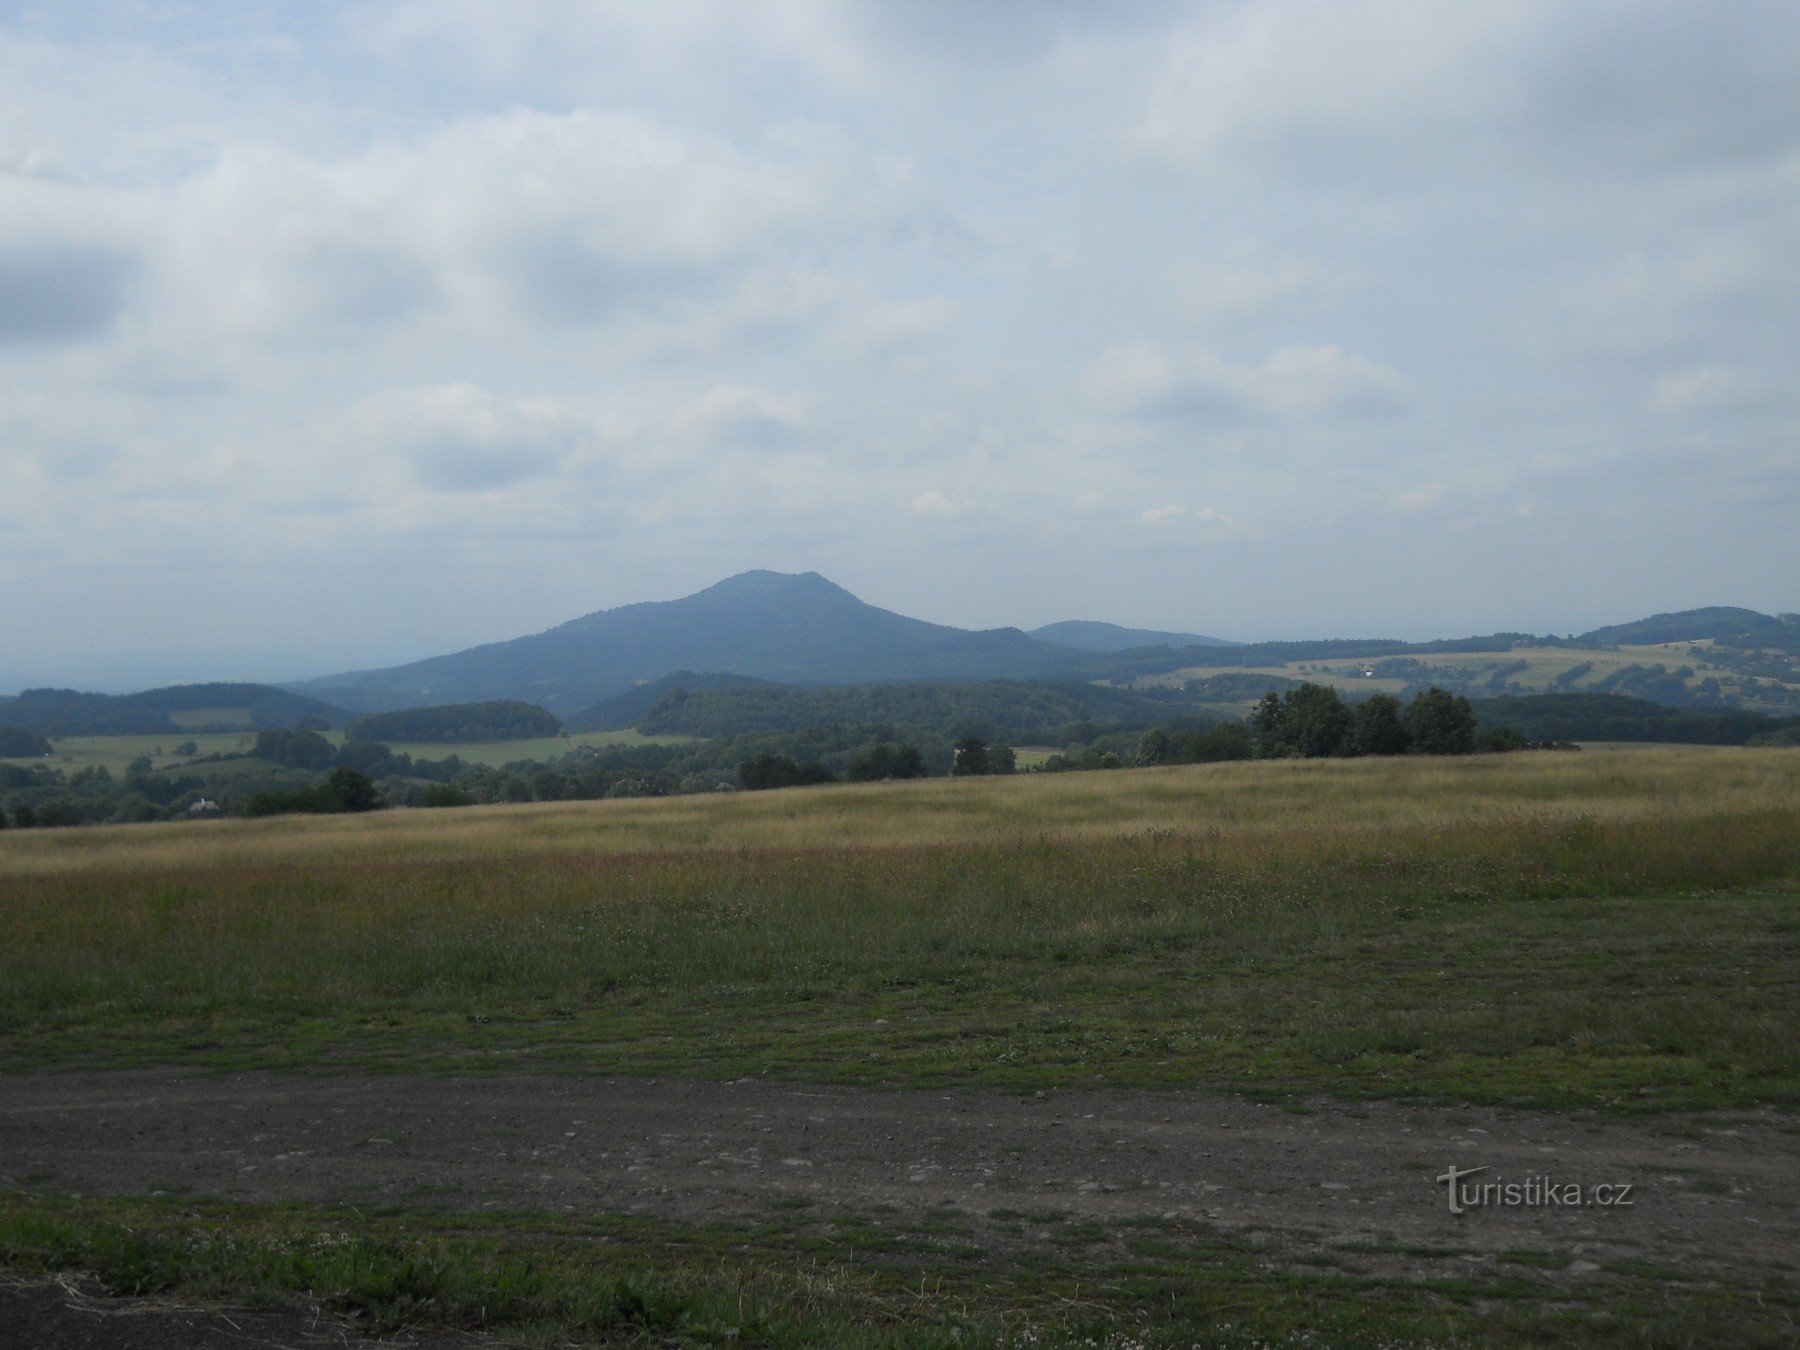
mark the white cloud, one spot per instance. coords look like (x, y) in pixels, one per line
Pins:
(1250, 282)
(936, 505)
(885, 328)
(1419, 498)
(1296, 382)
(461, 438)
(737, 417)
(598, 299)
(1703, 389)
(1300, 80)
(1203, 519)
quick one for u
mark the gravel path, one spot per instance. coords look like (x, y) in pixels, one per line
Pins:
(1710, 1195)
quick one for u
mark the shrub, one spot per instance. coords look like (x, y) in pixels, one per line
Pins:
(778, 771)
(443, 794)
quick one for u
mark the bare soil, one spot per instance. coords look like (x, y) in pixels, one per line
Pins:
(1712, 1196)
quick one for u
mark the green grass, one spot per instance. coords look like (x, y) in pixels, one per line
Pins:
(114, 753)
(1617, 932)
(843, 1280)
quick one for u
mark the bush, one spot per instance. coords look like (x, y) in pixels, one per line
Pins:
(443, 794)
(778, 771)
(295, 749)
(1500, 740)
(340, 791)
(23, 743)
(974, 757)
(884, 762)
(1227, 741)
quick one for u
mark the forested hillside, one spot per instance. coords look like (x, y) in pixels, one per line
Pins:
(457, 723)
(180, 707)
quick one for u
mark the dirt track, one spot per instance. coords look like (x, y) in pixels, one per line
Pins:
(1712, 1195)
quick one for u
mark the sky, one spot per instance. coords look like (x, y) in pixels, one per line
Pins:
(336, 335)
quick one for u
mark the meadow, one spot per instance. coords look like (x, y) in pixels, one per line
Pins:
(1577, 929)
(1606, 934)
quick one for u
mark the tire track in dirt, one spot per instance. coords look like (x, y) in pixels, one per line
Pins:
(1710, 1194)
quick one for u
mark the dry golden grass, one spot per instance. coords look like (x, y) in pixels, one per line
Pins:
(1285, 800)
(1559, 928)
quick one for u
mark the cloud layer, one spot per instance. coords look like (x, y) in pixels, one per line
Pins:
(413, 324)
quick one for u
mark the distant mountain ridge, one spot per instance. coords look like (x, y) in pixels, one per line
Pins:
(795, 628)
(170, 710)
(1090, 635)
(1726, 624)
(606, 669)
(799, 628)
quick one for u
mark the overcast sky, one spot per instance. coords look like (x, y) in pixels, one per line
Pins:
(337, 335)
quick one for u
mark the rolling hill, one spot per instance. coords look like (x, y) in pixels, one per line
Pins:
(607, 668)
(797, 628)
(1724, 624)
(154, 712)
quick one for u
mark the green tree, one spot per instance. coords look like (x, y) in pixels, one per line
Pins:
(1153, 747)
(295, 749)
(1441, 723)
(443, 794)
(779, 771)
(971, 758)
(1377, 727)
(884, 762)
(349, 790)
(1315, 721)
(1267, 726)
(1502, 740)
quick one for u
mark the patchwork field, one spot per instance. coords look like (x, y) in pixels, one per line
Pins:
(1499, 955)
(1524, 669)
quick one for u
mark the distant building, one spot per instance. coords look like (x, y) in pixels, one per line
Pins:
(204, 807)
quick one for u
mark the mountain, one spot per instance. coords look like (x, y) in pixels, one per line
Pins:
(625, 709)
(176, 708)
(1092, 636)
(1726, 624)
(799, 628)
(985, 708)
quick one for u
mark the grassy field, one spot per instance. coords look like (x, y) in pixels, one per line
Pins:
(1610, 933)
(115, 752)
(1613, 931)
